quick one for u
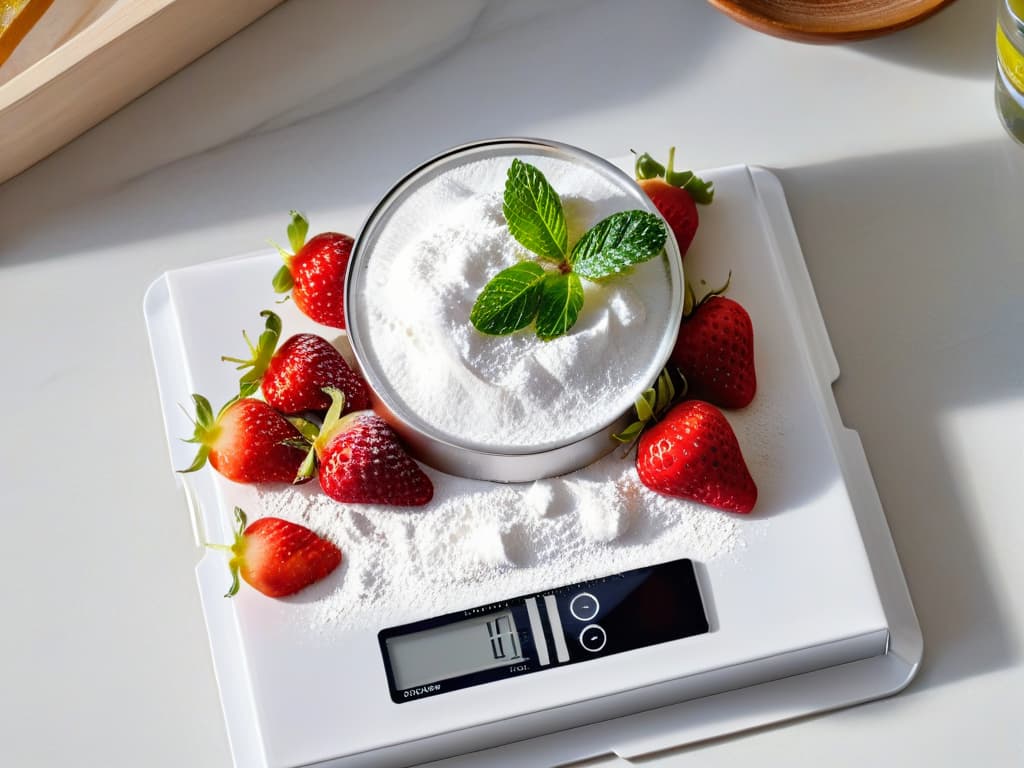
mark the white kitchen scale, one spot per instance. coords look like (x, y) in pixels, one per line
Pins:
(811, 614)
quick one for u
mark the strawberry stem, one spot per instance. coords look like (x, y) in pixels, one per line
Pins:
(684, 385)
(308, 429)
(236, 550)
(650, 406)
(332, 419)
(261, 354)
(690, 301)
(206, 431)
(333, 423)
(647, 167)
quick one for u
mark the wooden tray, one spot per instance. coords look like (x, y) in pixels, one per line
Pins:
(85, 59)
(828, 21)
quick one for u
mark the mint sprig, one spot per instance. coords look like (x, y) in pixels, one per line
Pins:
(618, 242)
(533, 211)
(561, 299)
(509, 301)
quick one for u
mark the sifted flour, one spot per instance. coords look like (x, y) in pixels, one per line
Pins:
(440, 248)
(477, 541)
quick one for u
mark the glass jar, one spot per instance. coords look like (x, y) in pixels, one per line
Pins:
(1010, 66)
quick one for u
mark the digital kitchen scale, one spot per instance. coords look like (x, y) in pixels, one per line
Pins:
(811, 613)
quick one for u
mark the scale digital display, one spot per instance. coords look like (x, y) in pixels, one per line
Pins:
(453, 650)
(530, 633)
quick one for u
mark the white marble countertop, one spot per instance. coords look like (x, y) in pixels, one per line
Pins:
(906, 195)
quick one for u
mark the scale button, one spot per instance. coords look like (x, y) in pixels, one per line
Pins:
(584, 606)
(593, 638)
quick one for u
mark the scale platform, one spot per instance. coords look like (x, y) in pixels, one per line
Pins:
(812, 613)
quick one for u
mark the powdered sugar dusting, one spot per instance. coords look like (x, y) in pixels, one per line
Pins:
(479, 541)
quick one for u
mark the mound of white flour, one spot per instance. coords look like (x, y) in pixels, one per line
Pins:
(442, 246)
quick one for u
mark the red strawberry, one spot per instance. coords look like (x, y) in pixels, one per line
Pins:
(247, 442)
(315, 272)
(678, 208)
(277, 557)
(715, 351)
(362, 462)
(675, 194)
(693, 453)
(293, 377)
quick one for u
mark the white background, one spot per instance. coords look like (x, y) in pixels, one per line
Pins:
(906, 193)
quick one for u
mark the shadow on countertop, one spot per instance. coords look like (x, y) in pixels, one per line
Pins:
(347, 117)
(959, 40)
(922, 303)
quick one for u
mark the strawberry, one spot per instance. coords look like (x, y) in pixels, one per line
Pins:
(675, 194)
(248, 441)
(362, 462)
(693, 453)
(315, 272)
(293, 377)
(277, 557)
(715, 350)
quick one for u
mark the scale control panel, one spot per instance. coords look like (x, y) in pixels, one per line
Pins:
(532, 633)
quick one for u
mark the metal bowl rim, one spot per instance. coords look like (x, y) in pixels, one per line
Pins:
(380, 387)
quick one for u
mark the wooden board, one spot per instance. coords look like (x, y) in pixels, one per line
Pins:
(17, 18)
(828, 21)
(88, 58)
(50, 31)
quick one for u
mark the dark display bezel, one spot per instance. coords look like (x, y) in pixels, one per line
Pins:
(638, 608)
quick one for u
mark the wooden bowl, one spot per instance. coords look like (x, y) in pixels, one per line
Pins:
(828, 21)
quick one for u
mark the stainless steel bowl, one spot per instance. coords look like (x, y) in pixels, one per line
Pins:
(472, 459)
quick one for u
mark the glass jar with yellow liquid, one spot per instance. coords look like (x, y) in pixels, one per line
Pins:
(1010, 66)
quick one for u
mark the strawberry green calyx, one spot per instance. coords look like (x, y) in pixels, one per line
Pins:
(260, 354)
(650, 406)
(307, 428)
(690, 301)
(298, 228)
(647, 167)
(283, 281)
(206, 431)
(333, 424)
(236, 551)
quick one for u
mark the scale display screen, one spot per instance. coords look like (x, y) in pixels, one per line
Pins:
(526, 634)
(454, 650)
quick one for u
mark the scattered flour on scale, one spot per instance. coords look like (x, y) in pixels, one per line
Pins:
(477, 541)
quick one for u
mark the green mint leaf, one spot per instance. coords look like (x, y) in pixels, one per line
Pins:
(618, 242)
(509, 301)
(561, 299)
(534, 212)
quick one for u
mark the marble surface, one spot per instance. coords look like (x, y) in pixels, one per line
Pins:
(906, 195)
